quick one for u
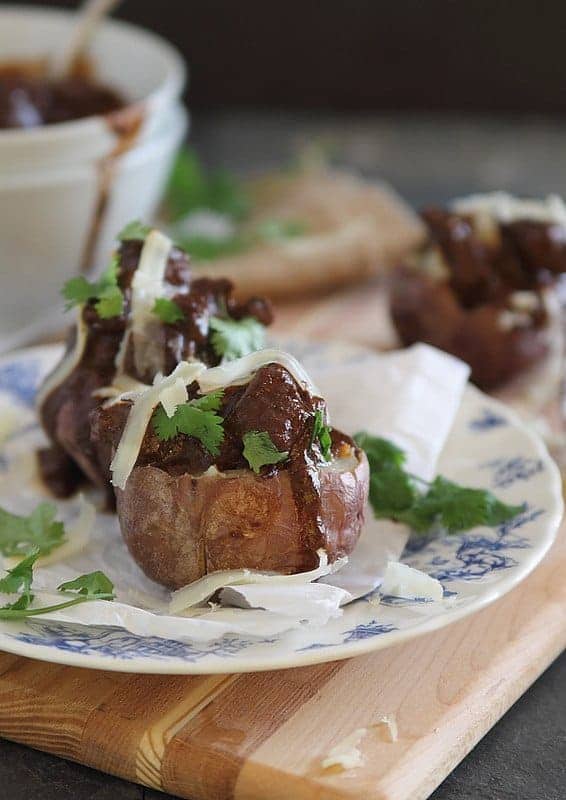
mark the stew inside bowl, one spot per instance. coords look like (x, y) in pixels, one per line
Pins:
(29, 98)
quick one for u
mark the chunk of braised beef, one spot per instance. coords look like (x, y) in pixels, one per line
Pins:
(471, 274)
(59, 472)
(270, 402)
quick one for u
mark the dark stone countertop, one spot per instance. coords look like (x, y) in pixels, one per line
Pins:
(428, 159)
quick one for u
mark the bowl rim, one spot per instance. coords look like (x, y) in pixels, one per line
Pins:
(172, 85)
(56, 173)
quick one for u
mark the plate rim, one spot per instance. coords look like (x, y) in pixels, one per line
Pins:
(338, 652)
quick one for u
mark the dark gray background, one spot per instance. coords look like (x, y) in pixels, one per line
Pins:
(365, 54)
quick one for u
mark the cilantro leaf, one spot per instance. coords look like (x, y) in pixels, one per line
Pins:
(110, 275)
(77, 291)
(395, 494)
(167, 310)
(106, 292)
(134, 231)
(259, 450)
(232, 338)
(321, 434)
(95, 585)
(392, 492)
(20, 535)
(191, 187)
(195, 418)
(209, 402)
(110, 303)
(380, 452)
(20, 604)
(278, 230)
(19, 579)
(458, 508)
(203, 248)
(164, 426)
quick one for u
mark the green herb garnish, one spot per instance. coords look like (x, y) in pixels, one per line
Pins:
(92, 586)
(134, 231)
(196, 418)
(321, 434)
(203, 248)
(259, 450)
(398, 495)
(109, 301)
(192, 188)
(279, 230)
(167, 310)
(19, 579)
(40, 530)
(234, 338)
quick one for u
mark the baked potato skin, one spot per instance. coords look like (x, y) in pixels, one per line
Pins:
(424, 310)
(179, 527)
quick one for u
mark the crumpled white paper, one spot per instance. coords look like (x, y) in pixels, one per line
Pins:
(410, 397)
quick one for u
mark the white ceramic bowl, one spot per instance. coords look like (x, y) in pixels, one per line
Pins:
(51, 177)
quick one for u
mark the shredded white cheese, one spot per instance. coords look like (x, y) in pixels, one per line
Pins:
(525, 301)
(241, 370)
(139, 417)
(505, 207)
(201, 590)
(400, 580)
(122, 385)
(346, 753)
(390, 725)
(147, 287)
(508, 320)
(175, 395)
(434, 264)
(68, 363)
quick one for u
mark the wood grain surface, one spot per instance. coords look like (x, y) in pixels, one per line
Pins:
(263, 736)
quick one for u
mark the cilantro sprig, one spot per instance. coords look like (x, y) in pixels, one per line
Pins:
(18, 581)
(39, 530)
(167, 310)
(396, 494)
(234, 338)
(259, 450)
(279, 230)
(197, 418)
(91, 586)
(192, 188)
(134, 231)
(109, 301)
(321, 434)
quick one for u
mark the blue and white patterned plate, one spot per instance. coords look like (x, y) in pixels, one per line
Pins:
(489, 446)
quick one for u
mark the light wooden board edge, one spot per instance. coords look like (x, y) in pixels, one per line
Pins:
(262, 736)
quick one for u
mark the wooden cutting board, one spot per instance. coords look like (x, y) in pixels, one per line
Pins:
(262, 736)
